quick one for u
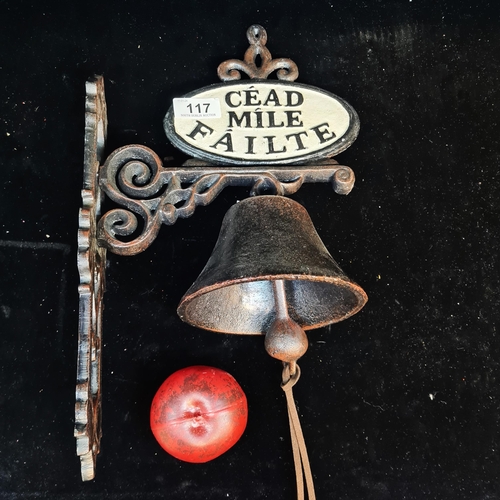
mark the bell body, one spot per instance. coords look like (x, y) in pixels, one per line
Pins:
(265, 239)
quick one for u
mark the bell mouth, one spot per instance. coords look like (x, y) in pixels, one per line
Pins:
(246, 306)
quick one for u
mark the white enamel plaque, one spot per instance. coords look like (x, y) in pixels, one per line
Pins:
(252, 122)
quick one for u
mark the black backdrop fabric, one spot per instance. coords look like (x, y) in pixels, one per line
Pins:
(402, 401)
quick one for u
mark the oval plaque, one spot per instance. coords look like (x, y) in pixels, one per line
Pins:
(252, 122)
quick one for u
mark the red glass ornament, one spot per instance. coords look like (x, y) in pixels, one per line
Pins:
(198, 413)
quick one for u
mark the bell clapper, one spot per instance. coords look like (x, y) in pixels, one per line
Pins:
(285, 339)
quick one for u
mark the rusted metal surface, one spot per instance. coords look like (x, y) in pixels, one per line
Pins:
(133, 177)
(257, 37)
(264, 239)
(91, 266)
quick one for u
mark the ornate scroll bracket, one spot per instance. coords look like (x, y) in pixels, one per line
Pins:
(257, 37)
(133, 177)
(91, 266)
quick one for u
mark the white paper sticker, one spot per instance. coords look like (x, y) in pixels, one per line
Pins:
(197, 108)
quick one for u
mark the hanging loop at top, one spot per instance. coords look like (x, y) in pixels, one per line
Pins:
(257, 37)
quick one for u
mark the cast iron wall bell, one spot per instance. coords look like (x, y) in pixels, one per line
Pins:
(269, 272)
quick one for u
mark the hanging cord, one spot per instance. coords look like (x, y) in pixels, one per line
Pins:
(291, 375)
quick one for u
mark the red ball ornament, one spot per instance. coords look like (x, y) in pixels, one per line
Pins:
(198, 413)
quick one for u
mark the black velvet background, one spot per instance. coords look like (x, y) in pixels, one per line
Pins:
(401, 401)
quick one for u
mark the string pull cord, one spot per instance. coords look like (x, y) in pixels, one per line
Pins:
(291, 375)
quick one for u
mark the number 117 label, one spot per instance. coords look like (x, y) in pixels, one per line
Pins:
(197, 108)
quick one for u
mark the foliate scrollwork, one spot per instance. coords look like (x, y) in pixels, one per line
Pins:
(134, 178)
(343, 180)
(257, 37)
(133, 170)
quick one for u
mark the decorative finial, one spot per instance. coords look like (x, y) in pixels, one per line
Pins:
(257, 37)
